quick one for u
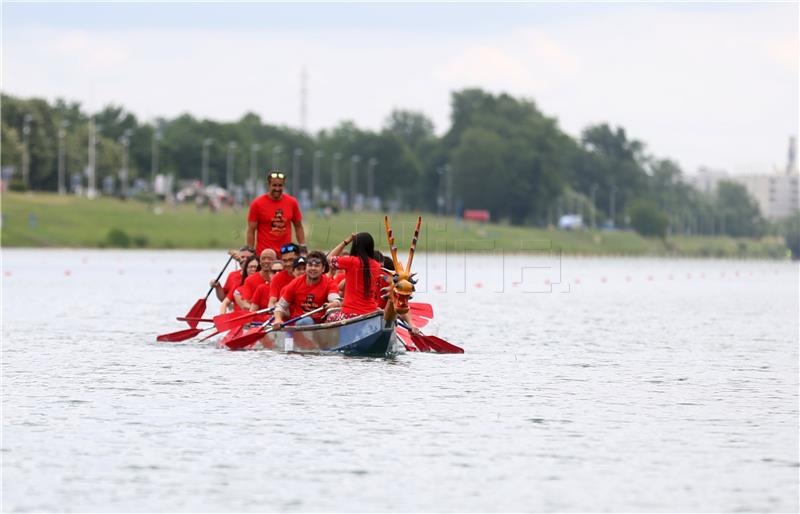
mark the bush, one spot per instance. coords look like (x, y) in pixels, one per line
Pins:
(647, 220)
(140, 241)
(117, 238)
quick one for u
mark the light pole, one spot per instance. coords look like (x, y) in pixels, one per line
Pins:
(371, 180)
(353, 170)
(229, 171)
(62, 157)
(204, 170)
(315, 177)
(254, 148)
(612, 206)
(123, 173)
(448, 191)
(91, 192)
(335, 177)
(26, 156)
(439, 193)
(594, 205)
(154, 158)
(298, 152)
(276, 157)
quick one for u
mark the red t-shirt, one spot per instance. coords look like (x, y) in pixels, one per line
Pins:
(354, 300)
(260, 296)
(250, 285)
(233, 281)
(383, 281)
(303, 297)
(274, 218)
(279, 281)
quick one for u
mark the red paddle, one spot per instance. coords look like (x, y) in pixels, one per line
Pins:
(199, 307)
(421, 309)
(225, 322)
(237, 343)
(437, 344)
(180, 335)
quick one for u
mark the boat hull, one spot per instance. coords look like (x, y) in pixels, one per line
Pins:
(364, 335)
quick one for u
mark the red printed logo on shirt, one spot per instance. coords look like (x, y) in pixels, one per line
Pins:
(278, 222)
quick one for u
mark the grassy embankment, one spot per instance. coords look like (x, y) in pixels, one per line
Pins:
(49, 220)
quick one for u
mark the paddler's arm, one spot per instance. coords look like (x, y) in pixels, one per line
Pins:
(338, 248)
(224, 307)
(281, 308)
(240, 301)
(300, 232)
(252, 226)
(407, 318)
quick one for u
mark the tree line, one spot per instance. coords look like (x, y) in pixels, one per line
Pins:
(500, 153)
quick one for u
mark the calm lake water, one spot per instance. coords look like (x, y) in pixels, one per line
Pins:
(587, 385)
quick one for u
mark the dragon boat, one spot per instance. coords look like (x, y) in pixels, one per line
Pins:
(367, 335)
(379, 333)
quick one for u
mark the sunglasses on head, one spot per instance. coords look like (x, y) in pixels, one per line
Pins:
(288, 248)
(275, 270)
(276, 174)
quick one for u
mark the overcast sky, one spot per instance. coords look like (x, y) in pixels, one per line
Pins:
(711, 85)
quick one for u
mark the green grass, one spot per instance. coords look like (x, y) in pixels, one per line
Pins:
(68, 221)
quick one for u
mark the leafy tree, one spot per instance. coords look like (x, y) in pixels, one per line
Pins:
(647, 220)
(737, 211)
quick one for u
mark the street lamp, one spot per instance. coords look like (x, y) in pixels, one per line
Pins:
(335, 177)
(91, 191)
(229, 172)
(62, 154)
(448, 191)
(207, 142)
(371, 179)
(123, 173)
(26, 156)
(154, 158)
(276, 157)
(315, 177)
(612, 206)
(594, 205)
(298, 152)
(254, 148)
(353, 170)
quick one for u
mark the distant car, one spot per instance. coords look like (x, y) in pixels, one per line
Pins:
(570, 222)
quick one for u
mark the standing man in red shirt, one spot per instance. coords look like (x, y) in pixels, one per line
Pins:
(271, 216)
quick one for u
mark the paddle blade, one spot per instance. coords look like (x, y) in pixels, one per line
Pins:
(421, 309)
(420, 343)
(403, 335)
(441, 346)
(227, 321)
(181, 335)
(241, 342)
(419, 321)
(197, 311)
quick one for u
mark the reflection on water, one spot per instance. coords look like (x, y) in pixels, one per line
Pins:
(588, 384)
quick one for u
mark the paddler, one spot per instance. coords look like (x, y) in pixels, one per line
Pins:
(307, 292)
(361, 276)
(255, 280)
(234, 278)
(289, 252)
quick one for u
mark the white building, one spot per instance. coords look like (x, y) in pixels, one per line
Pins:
(777, 194)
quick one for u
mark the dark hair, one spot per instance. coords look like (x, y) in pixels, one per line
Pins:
(363, 247)
(246, 263)
(388, 263)
(316, 254)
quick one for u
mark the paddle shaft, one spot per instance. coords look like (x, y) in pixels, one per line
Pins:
(219, 276)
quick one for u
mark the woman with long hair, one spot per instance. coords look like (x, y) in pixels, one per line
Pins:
(249, 266)
(361, 275)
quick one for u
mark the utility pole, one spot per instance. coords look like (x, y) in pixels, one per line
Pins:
(254, 148)
(612, 206)
(315, 177)
(123, 173)
(298, 152)
(26, 154)
(62, 157)
(204, 170)
(371, 181)
(335, 193)
(91, 192)
(229, 171)
(353, 171)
